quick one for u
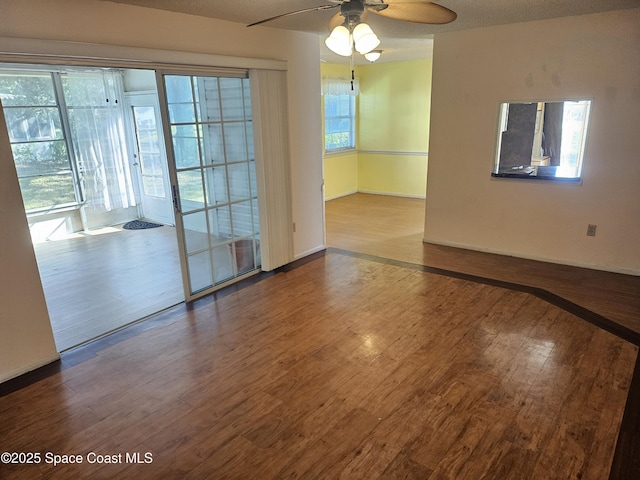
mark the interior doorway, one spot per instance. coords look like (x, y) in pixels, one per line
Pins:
(89, 164)
(90, 145)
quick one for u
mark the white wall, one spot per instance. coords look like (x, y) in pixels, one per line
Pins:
(139, 81)
(591, 56)
(107, 23)
(26, 340)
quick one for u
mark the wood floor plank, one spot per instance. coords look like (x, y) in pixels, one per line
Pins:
(398, 230)
(343, 367)
(98, 281)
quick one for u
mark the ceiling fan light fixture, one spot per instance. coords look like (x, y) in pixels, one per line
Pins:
(364, 38)
(339, 41)
(373, 55)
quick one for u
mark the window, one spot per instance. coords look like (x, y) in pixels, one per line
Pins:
(38, 141)
(340, 119)
(95, 112)
(542, 140)
(339, 113)
(66, 130)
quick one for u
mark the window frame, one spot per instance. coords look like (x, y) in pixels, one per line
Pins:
(536, 170)
(351, 118)
(66, 137)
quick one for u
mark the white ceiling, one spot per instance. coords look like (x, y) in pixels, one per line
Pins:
(400, 40)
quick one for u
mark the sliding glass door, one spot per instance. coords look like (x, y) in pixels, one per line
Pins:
(212, 166)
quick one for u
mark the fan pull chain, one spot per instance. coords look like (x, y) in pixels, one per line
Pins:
(352, 72)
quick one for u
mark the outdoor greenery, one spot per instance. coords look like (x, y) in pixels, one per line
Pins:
(41, 158)
(335, 141)
(44, 191)
(27, 90)
(37, 140)
(339, 128)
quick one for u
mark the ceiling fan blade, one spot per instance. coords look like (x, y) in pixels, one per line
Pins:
(338, 19)
(314, 9)
(416, 11)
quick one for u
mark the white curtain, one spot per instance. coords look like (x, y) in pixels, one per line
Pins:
(340, 86)
(95, 106)
(273, 168)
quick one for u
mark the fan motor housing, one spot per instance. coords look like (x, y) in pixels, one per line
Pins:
(354, 8)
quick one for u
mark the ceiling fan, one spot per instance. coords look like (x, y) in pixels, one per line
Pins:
(347, 27)
(418, 11)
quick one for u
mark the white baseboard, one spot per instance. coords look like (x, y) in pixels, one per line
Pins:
(374, 192)
(391, 194)
(333, 197)
(538, 258)
(310, 252)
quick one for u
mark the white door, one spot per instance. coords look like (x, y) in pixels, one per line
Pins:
(150, 160)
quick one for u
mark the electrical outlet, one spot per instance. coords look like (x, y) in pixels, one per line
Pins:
(591, 230)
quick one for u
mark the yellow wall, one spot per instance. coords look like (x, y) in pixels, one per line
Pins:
(394, 106)
(335, 70)
(392, 136)
(341, 168)
(340, 174)
(392, 174)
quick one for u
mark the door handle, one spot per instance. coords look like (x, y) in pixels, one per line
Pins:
(174, 191)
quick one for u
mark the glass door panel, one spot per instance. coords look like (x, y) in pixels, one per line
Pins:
(149, 152)
(150, 158)
(214, 177)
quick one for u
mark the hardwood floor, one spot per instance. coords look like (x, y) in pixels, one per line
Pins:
(98, 281)
(340, 368)
(392, 227)
(343, 365)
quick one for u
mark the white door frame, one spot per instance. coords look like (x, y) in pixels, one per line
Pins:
(152, 208)
(192, 292)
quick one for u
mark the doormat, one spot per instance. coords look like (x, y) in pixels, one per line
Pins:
(140, 225)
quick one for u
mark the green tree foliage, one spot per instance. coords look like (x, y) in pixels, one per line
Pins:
(39, 148)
